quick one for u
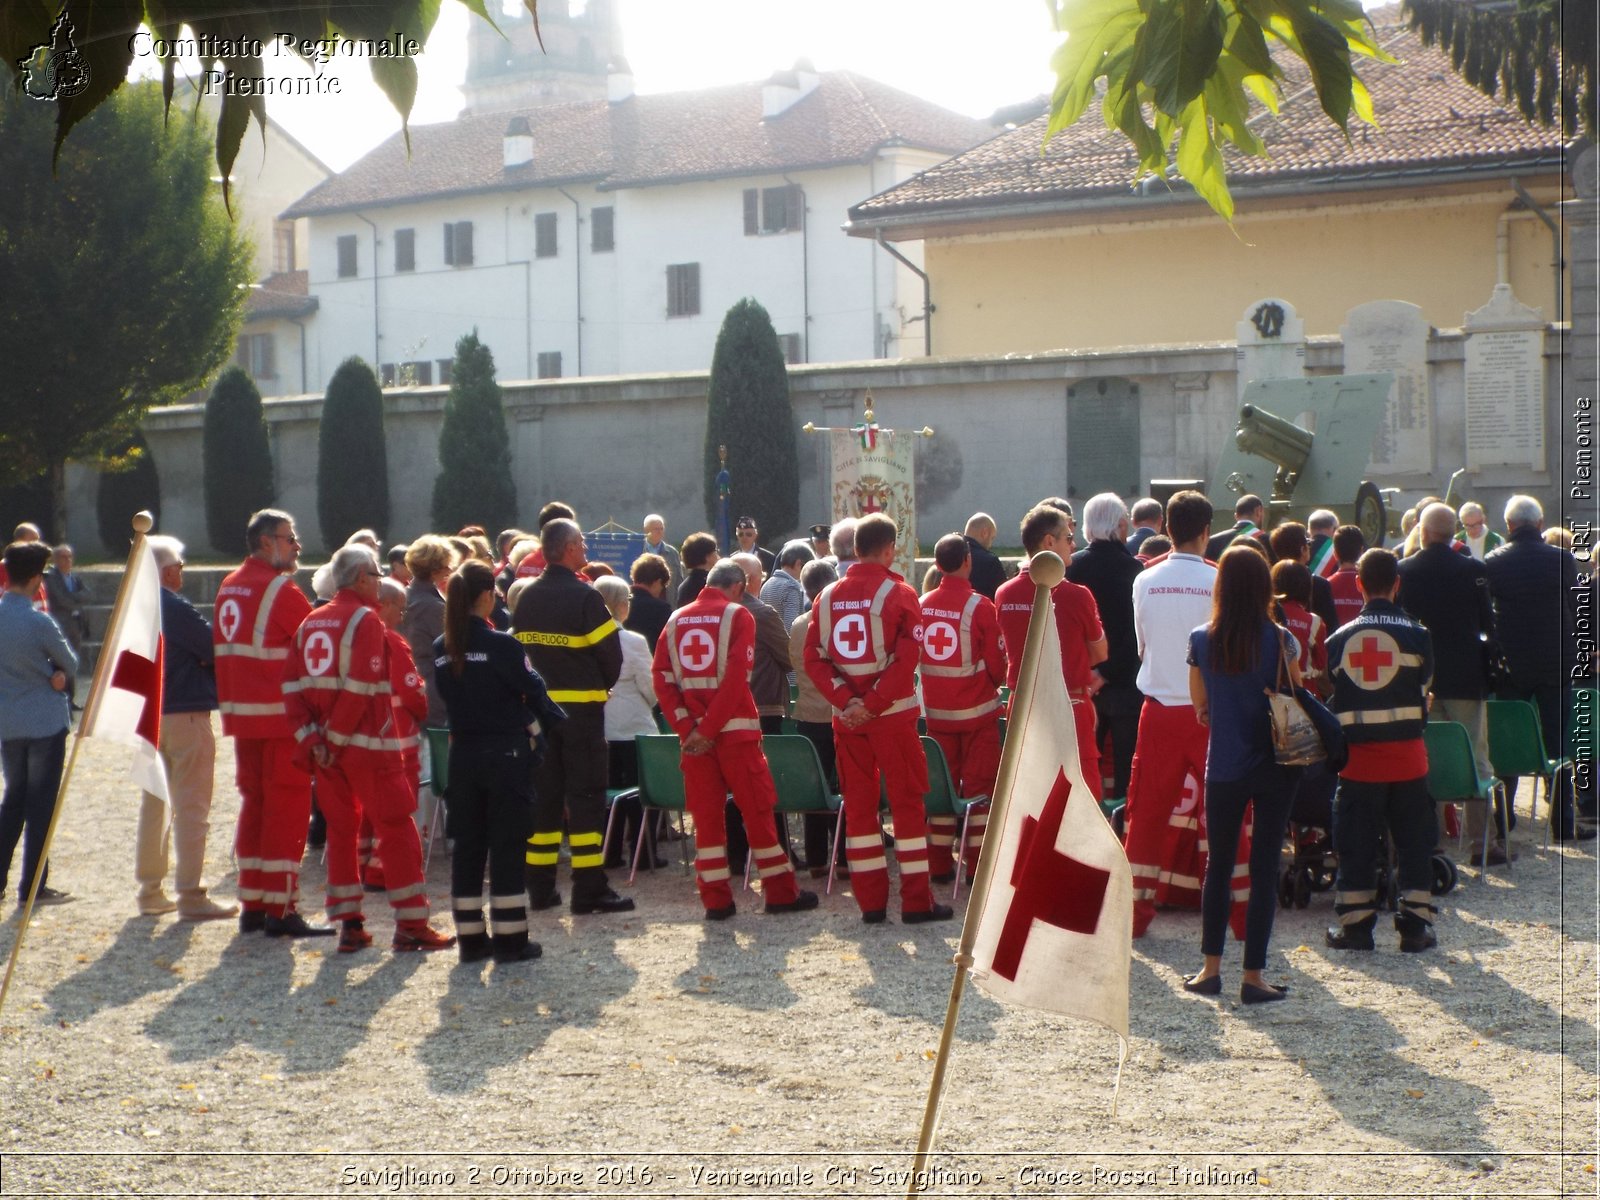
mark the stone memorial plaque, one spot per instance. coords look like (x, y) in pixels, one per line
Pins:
(1103, 438)
(1505, 383)
(1392, 336)
(1272, 343)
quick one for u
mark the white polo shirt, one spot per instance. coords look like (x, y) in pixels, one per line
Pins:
(1169, 600)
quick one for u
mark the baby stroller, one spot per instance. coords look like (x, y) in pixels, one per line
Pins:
(1312, 866)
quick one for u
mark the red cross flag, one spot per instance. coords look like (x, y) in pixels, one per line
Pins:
(125, 705)
(1056, 924)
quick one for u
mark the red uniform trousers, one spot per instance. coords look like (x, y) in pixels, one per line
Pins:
(274, 811)
(367, 838)
(1171, 745)
(741, 768)
(372, 784)
(1084, 719)
(886, 748)
(974, 759)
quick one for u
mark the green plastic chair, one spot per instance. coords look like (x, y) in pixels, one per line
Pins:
(1453, 774)
(1516, 748)
(942, 800)
(438, 781)
(802, 787)
(660, 787)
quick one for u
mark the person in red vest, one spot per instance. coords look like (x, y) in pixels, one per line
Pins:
(1348, 544)
(409, 696)
(340, 705)
(963, 666)
(1083, 641)
(258, 609)
(701, 673)
(862, 651)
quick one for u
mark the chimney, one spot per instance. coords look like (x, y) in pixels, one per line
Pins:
(518, 143)
(787, 87)
(619, 81)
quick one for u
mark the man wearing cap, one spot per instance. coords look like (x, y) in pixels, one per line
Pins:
(747, 533)
(819, 539)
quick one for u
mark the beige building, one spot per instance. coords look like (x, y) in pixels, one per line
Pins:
(1450, 194)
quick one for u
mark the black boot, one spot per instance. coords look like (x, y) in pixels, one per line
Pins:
(472, 947)
(1355, 936)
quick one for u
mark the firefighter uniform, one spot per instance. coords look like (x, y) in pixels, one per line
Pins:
(257, 612)
(572, 642)
(702, 681)
(1381, 664)
(863, 643)
(494, 704)
(337, 693)
(963, 666)
(409, 696)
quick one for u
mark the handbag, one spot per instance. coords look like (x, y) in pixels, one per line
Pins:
(1296, 740)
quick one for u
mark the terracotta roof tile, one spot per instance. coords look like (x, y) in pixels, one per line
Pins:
(285, 294)
(1430, 121)
(649, 140)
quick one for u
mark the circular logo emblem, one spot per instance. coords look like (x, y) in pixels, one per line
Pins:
(939, 640)
(696, 650)
(1371, 659)
(318, 653)
(413, 680)
(850, 638)
(228, 617)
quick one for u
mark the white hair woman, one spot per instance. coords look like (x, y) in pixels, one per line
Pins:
(628, 714)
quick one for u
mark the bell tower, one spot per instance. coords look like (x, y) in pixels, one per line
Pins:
(507, 70)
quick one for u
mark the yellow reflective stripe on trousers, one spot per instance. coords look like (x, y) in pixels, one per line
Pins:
(586, 850)
(544, 848)
(596, 696)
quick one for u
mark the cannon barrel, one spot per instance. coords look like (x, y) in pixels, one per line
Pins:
(1272, 438)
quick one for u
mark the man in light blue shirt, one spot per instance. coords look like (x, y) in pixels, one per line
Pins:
(35, 663)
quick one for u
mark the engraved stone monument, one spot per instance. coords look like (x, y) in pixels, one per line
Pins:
(1392, 336)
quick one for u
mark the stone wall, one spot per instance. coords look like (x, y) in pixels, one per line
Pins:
(616, 448)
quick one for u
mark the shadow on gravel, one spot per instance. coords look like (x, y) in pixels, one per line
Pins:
(912, 973)
(725, 973)
(139, 962)
(1186, 1028)
(492, 1016)
(245, 1000)
(1352, 1060)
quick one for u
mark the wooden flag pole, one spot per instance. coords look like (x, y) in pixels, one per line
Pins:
(1046, 570)
(142, 524)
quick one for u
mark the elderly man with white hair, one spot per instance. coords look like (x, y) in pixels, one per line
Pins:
(189, 751)
(340, 704)
(988, 572)
(1321, 525)
(1479, 539)
(842, 544)
(655, 542)
(1537, 604)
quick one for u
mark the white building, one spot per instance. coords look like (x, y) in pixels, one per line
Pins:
(610, 236)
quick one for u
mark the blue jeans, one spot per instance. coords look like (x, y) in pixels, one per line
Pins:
(33, 778)
(1271, 787)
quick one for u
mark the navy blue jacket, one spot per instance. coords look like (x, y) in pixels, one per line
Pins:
(1381, 664)
(188, 669)
(1450, 595)
(1535, 590)
(498, 692)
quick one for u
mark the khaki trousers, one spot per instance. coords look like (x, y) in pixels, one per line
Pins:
(1474, 714)
(189, 749)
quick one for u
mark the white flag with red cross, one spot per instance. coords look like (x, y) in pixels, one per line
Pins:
(125, 705)
(1056, 929)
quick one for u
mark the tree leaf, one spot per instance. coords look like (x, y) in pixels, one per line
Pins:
(1200, 161)
(398, 79)
(103, 33)
(1229, 109)
(1177, 49)
(235, 119)
(1327, 54)
(1096, 29)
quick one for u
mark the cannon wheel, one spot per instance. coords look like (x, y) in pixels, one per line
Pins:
(1369, 514)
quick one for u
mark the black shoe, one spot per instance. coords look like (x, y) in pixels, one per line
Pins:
(295, 926)
(1416, 943)
(1203, 987)
(553, 900)
(723, 913)
(47, 896)
(943, 877)
(1580, 833)
(939, 912)
(803, 902)
(527, 953)
(875, 916)
(472, 947)
(1349, 937)
(1251, 994)
(252, 920)
(606, 902)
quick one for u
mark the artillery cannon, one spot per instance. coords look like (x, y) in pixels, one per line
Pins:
(1304, 444)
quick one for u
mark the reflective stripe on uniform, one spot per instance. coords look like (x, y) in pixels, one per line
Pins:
(1381, 716)
(234, 709)
(962, 714)
(569, 641)
(270, 654)
(597, 696)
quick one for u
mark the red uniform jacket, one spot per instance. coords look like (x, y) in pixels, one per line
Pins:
(258, 609)
(336, 684)
(702, 669)
(963, 657)
(409, 695)
(864, 642)
(1077, 623)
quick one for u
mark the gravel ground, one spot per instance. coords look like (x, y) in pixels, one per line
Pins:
(655, 1054)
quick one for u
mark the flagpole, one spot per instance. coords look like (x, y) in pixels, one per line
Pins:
(1046, 570)
(143, 522)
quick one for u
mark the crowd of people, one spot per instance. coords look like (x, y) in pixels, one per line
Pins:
(544, 666)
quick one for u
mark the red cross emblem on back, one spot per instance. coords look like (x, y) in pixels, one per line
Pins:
(1050, 886)
(939, 640)
(137, 674)
(850, 635)
(1371, 659)
(319, 653)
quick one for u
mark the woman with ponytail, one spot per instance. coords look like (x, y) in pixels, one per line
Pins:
(499, 713)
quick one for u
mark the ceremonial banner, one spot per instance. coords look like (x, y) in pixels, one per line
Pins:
(874, 471)
(125, 705)
(1057, 920)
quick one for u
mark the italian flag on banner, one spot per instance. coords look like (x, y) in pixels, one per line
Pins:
(868, 435)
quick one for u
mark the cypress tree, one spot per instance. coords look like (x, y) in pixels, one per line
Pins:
(474, 485)
(748, 411)
(238, 459)
(128, 484)
(352, 461)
